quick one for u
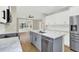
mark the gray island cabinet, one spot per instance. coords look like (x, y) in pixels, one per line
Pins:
(35, 40)
(45, 42)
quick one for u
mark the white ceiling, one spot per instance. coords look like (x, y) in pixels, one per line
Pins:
(47, 10)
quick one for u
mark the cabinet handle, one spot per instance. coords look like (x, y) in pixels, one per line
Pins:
(35, 39)
(77, 40)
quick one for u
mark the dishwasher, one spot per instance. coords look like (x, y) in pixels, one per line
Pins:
(47, 44)
(52, 44)
(10, 43)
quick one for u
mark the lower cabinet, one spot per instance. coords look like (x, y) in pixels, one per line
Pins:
(38, 41)
(58, 45)
(46, 44)
(35, 40)
(31, 36)
(52, 45)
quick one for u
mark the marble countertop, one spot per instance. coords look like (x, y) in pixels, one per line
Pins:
(7, 32)
(10, 45)
(50, 34)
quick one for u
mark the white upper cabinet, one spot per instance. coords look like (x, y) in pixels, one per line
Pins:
(24, 25)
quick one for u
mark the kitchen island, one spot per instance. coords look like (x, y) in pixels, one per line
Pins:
(47, 41)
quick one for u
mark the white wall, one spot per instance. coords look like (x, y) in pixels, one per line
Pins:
(74, 11)
(55, 21)
(25, 11)
(12, 27)
(2, 26)
(58, 21)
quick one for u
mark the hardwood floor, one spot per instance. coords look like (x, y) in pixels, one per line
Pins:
(28, 47)
(67, 49)
(25, 43)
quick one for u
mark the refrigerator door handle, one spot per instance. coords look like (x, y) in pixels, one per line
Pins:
(76, 40)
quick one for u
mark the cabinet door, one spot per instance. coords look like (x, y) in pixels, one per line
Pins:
(77, 18)
(34, 39)
(38, 42)
(44, 44)
(58, 45)
(47, 44)
(31, 37)
(71, 20)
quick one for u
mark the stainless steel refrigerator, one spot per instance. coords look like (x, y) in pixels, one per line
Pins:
(74, 32)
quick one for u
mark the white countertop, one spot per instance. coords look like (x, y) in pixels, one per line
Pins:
(50, 34)
(10, 45)
(7, 32)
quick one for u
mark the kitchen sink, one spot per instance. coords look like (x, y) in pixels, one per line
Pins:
(41, 32)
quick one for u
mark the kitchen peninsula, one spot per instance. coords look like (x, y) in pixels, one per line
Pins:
(47, 41)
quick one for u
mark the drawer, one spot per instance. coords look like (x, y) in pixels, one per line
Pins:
(74, 44)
